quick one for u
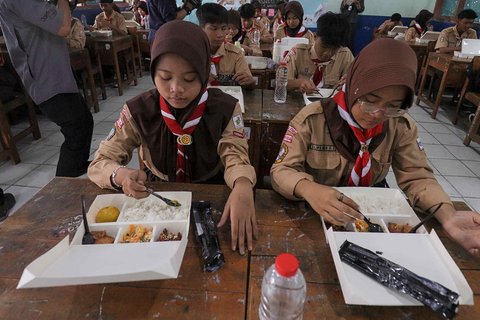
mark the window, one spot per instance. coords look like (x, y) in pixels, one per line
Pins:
(448, 9)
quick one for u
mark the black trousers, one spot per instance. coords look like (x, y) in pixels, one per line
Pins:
(71, 113)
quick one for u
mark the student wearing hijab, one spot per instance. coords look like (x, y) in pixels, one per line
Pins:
(326, 62)
(235, 34)
(419, 26)
(353, 138)
(250, 24)
(184, 132)
(228, 62)
(110, 19)
(293, 27)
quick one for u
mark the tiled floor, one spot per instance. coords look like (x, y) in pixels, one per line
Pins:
(456, 166)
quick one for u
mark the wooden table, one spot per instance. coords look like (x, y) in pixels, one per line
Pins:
(252, 118)
(267, 49)
(80, 62)
(453, 73)
(111, 50)
(231, 293)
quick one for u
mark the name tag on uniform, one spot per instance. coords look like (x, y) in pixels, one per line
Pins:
(321, 147)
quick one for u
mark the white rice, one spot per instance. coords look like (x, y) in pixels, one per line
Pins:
(153, 209)
(369, 204)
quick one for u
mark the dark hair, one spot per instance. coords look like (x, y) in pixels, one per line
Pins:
(422, 17)
(247, 11)
(396, 17)
(211, 13)
(467, 14)
(233, 17)
(143, 5)
(333, 30)
(256, 4)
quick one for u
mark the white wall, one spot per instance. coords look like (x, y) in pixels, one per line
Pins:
(407, 8)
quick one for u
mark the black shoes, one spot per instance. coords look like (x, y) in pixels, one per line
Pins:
(7, 201)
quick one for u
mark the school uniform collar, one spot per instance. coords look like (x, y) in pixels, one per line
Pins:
(220, 51)
(313, 54)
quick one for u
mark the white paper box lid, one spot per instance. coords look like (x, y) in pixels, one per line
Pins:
(234, 91)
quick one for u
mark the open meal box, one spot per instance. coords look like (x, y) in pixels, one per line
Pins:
(321, 94)
(101, 33)
(74, 263)
(422, 253)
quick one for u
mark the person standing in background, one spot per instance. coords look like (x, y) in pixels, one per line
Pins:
(39, 53)
(351, 9)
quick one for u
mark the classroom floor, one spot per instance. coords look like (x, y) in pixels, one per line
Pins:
(456, 166)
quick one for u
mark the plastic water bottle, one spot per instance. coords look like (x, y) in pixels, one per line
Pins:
(283, 290)
(277, 48)
(83, 19)
(281, 80)
(256, 37)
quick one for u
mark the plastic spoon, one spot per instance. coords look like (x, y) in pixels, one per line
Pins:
(87, 237)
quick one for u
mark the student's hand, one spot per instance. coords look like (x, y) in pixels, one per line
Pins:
(132, 182)
(342, 81)
(228, 38)
(241, 210)
(306, 85)
(328, 202)
(243, 78)
(464, 228)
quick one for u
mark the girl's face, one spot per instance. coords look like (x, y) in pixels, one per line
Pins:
(232, 30)
(374, 107)
(176, 80)
(292, 20)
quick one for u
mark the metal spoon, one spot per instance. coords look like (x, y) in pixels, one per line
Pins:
(372, 227)
(173, 203)
(87, 237)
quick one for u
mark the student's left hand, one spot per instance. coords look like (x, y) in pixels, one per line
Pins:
(243, 78)
(241, 210)
(464, 228)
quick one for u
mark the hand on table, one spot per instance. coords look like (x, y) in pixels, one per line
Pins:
(306, 85)
(243, 78)
(328, 202)
(241, 210)
(464, 228)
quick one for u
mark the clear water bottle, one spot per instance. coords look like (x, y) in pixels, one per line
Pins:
(281, 80)
(83, 19)
(283, 290)
(256, 37)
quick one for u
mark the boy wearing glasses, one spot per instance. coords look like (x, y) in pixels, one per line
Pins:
(324, 63)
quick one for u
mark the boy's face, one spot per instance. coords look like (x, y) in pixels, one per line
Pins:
(323, 54)
(247, 23)
(216, 33)
(106, 7)
(464, 24)
(176, 80)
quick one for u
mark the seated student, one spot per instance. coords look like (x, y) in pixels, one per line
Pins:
(294, 24)
(235, 34)
(353, 138)
(324, 63)
(450, 39)
(184, 132)
(259, 16)
(76, 38)
(228, 62)
(279, 19)
(143, 11)
(250, 24)
(418, 26)
(110, 19)
(388, 25)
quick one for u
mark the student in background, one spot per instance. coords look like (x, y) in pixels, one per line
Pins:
(110, 19)
(76, 38)
(229, 66)
(250, 24)
(235, 34)
(259, 15)
(294, 24)
(450, 38)
(278, 20)
(388, 25)
(419, 26)
(143, 11)
(324, 63)
(354, 138)
(351, 9)
(184, 132)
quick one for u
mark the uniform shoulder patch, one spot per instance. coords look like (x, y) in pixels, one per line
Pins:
(282, 153)
(238, 121)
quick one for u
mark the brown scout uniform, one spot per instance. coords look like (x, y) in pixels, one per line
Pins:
(126, 136)
(300, 65)
(117, 20)
(449, 37)
(76, 39)
(256, 49)
(232, 61)
(308, 152)
(264, 34)
(280, 34)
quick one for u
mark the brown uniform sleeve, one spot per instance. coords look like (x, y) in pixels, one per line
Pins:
(412, 172)
(410, 34)
(265, 35)
(291, 60)
(97, 23)
(334, 71)
(76, 38)
(442, 41)
(233, 151)
(256, 51)
(289, 168)
(241, 65)
(121, 24)
(114, 151)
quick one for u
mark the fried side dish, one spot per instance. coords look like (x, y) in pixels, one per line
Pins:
(361, 225)
(169, 236)
(399, 228)
(137, 234)
(335, 227)
(101, 237)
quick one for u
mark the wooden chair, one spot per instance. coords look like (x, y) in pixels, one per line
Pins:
(7, 138)
(463, 93)
(81, 65)
(96, 65)
(474, 130)
(136, 51)
(422, 63)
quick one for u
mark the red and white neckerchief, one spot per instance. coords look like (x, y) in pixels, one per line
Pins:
(213, 67)
(418, 28)
(301, 32)
(317, 77)
(361, 174)
(183, 134)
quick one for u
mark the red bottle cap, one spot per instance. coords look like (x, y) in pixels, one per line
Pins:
(286, 264)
